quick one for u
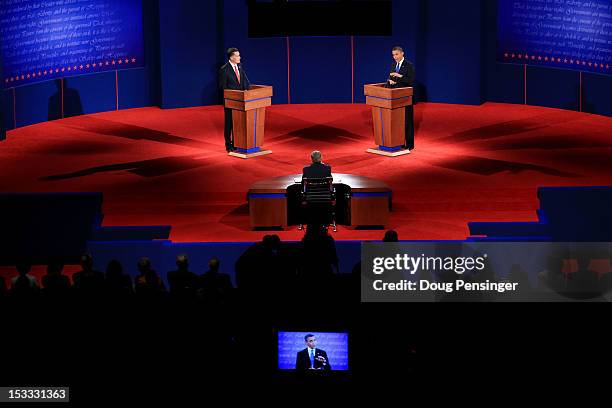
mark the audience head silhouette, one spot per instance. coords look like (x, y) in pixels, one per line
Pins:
(86, 262)
(23, 268)
(271, 242)
(24, 284)
(213, 265)
(391, 236)
(182, 262)
(144, 265)
(114, 270)
(55, 268)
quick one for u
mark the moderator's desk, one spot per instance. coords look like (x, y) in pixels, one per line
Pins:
(360, 201)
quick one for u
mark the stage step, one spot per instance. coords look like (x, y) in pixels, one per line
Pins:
(508, 229)
(132, 233)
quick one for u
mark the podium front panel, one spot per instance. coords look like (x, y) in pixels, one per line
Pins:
(249, 129)
(389, 126)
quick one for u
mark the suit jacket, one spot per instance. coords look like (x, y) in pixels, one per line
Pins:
(302, 361)
(215, 281)
(228, 79)
(407, 70)
(181, 281)
(317, 170)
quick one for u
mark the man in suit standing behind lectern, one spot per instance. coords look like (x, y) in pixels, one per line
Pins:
(232, 76)
(312, 358)
(402, 76)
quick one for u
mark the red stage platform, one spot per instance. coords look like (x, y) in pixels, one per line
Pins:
(471, 163)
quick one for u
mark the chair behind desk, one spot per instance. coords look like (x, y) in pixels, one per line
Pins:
(360, 202)
(318, 201)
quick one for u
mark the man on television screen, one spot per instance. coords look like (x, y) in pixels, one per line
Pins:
(402, 76)
(312, 358)
(232, 76)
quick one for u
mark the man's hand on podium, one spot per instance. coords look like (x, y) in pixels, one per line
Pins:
(392, 82)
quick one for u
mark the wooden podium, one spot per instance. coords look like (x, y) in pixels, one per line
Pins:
(389, 118)
(248, 119)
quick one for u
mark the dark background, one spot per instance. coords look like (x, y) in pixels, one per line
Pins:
(340, 17)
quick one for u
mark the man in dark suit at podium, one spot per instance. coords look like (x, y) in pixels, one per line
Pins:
(317, 169)
(402, 76)
(232, 76)
(312, 358)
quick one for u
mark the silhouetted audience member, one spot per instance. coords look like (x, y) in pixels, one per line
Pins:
(390, 236)
(24, 284)
(486, 274)
(117, 283)
(266, 268)
(552, 278)
(148, 283)
(215, 287)
(520, 276)
(251, 267)
(88, 281)
(277, 264)
(453, 250)
(54, 282)
(183, 282)
(319, 256)
(584, 283)
(2, 286)
(606, 278)
(523, 290)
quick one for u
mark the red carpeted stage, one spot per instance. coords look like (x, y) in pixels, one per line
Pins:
(471, 163)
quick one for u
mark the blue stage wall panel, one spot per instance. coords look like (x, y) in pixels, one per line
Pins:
(2, 114)
(189, 57)
(320, 69)
(555, 88)
(264, 59)
(373, 54)
(134, 89)
(33, 102)
(2, 107)
(597, 94)
(503, 83)
(372, 62)
(97, 94)
(7, 109)
(141, 87)
(454, 52)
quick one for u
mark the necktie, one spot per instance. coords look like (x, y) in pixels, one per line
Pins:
(237, 73)
(397, 68)
(311, 357)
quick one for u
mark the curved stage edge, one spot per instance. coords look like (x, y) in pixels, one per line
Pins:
(169, 167)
